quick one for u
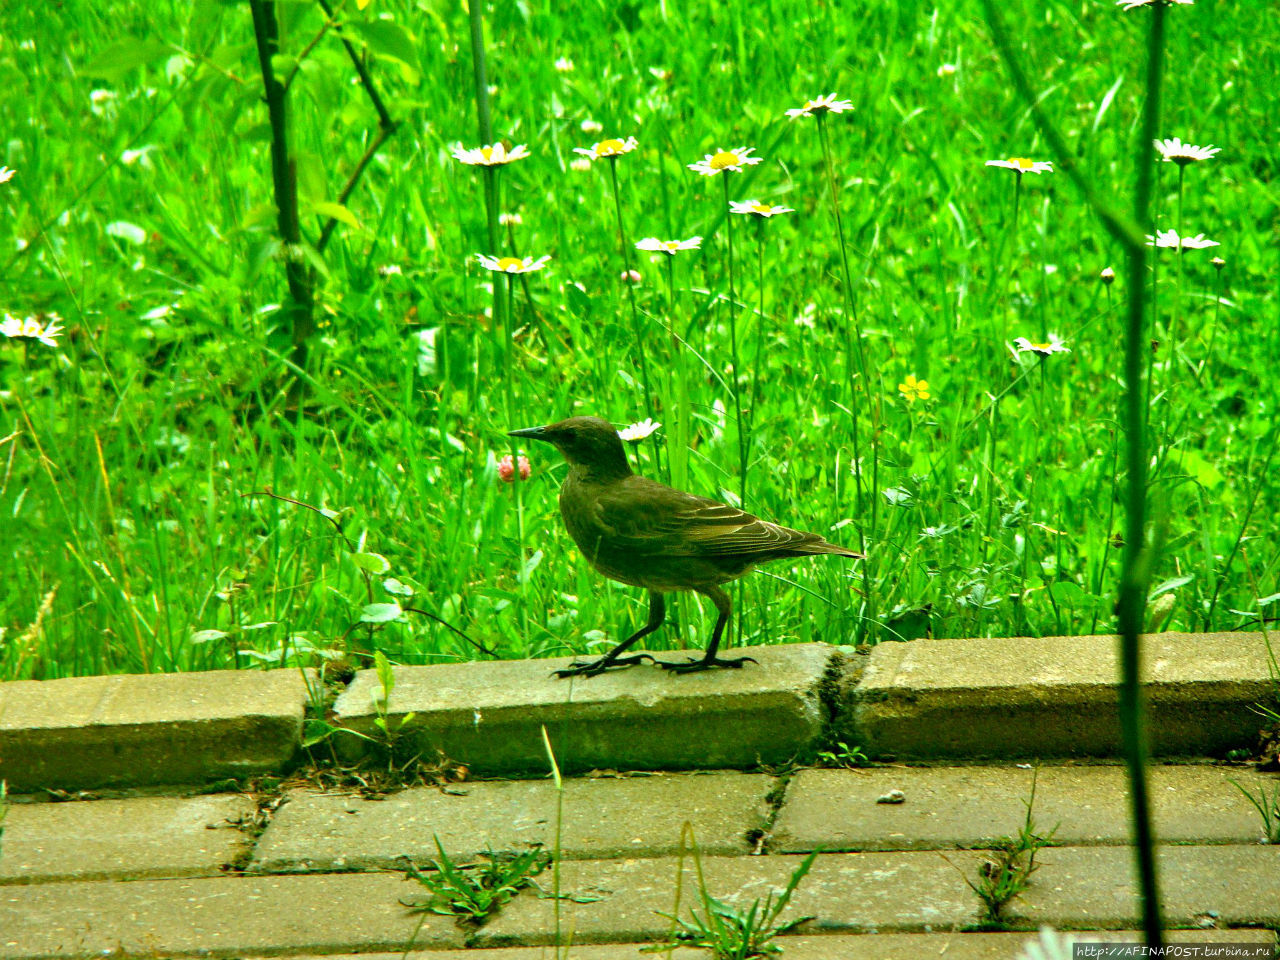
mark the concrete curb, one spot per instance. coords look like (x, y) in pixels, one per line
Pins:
(1055, 696)
(133, 731)
(490, 715)
(928, 699)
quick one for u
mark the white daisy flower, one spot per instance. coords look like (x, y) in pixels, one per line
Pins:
(1218, 263)
(946, 69)
(31, 328)
(591, 126)
(638, 431)
(1055, 345)
(564, 65)
(820, 106)
(49, 333)
(668, 246)
(1023, 165)
(1108, 276)
(491, 156)
(512, 264)
(1170, 238)
(1175, 151)
(390, 270)
(608, 149)
(6, 174)
(725, 160)
(579, 164)
(756, 208)
(510, 219)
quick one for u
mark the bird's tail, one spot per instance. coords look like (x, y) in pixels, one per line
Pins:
(820, 546)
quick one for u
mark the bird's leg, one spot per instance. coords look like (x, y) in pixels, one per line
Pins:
(723, 605)
(657, 613)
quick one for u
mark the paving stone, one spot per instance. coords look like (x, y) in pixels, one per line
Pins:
(602, 817)
(1234, 885)
(86, 732)
(490, 714)
(215, 917)
(143, 837)
(884, 946)
(975, 806)
(850, 892)
(1053, 696)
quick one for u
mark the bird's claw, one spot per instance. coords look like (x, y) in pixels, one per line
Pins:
(593, 668)
(693, 665)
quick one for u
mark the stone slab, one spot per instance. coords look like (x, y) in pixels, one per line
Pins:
(1230, 885)
(216, 917)
(87, 732)
(975, 806)
(143, 837)
(490, 714)
(861, 892)
(602, 817)
(884, 946)
(1053, 696)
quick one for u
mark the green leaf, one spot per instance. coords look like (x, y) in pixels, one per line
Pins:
(1068, 593)
(392, 585)
(388, 39)
(204, 636)
(126, 55)
(1168, 585)
(372, 562)
(1198, 468)
(327, 208)
(380, 612)
(386, 676)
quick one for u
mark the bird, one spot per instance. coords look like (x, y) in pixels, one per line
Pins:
(645, 534)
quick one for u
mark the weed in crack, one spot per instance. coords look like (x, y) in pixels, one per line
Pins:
(1007, 870)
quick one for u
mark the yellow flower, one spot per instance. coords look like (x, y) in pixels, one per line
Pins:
(495, 155)
(913, 389)
(820, 105)
(668, 246)
(725, 161)
(512, 264)
(1023, 165)
(756, 208)
(608, 148)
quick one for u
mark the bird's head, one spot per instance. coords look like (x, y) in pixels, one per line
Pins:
(587, 442)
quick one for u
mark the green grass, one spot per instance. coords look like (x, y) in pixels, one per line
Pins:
(123, 486)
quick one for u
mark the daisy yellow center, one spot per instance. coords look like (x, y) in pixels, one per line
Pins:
(510, 263)
(487, 153)
(761, 207)
(610, 148)
(670, 245)
(1041, 346)
(1022, 163)
(723, 159)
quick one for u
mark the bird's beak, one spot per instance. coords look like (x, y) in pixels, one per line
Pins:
(534, 433)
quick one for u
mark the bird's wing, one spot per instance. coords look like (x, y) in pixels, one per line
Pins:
(652, 518)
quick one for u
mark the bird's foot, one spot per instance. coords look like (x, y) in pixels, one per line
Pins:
(592, 668)
(706, 663)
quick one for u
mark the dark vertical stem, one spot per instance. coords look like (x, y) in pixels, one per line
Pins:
(1137, 562)
(301, 308)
